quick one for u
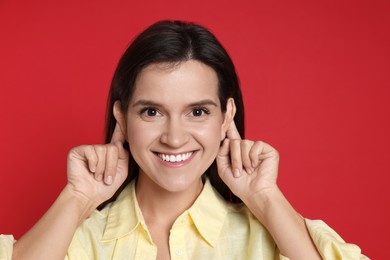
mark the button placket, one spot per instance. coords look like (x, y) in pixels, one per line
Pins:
(177, 239)
(179, 252)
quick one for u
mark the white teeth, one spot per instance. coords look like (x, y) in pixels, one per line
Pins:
(173, 158)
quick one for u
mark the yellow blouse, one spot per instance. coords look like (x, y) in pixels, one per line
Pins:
(211, 229)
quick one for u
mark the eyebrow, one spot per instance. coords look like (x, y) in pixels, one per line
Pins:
(204, 102)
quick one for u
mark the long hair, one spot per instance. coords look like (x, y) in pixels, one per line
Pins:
(174, 42)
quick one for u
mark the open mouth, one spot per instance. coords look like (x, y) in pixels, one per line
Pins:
(175, 157)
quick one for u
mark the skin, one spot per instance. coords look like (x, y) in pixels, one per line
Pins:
(165, 117)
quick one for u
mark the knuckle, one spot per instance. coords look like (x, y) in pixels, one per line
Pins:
(76, 152)
(111, 148)
(99, 148)
(236, 161)
(259, 143)
(247, 141)
(246, 144)
(72, 152)
(234, 143)
(253, 153)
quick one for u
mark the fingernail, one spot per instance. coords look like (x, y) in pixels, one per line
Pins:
(109, 180)
(237, 173)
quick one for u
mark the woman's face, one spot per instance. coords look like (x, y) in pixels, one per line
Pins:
(174, 123)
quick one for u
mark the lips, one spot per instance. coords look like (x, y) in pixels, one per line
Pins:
(175, 157)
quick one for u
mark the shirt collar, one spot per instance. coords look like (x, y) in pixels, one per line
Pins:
(123, 216)
(208, 214)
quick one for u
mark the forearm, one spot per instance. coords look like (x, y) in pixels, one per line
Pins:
(51, 236)
(285, 225)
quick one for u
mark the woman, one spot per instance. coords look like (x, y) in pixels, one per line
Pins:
(174, 170)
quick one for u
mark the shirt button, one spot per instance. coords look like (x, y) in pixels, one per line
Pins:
(179, 251)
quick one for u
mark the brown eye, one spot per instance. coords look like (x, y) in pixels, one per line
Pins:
(151, 112)
(198, 112)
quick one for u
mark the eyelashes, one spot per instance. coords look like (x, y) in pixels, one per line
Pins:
(198, 111)
(149, 111)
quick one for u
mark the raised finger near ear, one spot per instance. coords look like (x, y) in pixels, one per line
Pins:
(232, 132)
(111, 163)
(89, 153)
(100, 152)
(118, 135)
(223, 161)
(235, 157)
(246, 146)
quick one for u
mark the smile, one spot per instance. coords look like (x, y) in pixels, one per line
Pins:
(175, 158)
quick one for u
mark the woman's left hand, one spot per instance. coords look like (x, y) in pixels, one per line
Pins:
(250, 170)
(247, 167)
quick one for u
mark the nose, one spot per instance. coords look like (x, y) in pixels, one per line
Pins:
(175, 134)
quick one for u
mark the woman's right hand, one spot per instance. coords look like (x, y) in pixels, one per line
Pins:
(95, 172)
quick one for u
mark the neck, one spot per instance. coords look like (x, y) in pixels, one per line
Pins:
(159, 205)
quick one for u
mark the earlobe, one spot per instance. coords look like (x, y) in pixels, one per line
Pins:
(120, 117)
(228, 117)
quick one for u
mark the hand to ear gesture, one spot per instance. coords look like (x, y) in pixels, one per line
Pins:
(250, 170)
(247, 167)
(97, 171)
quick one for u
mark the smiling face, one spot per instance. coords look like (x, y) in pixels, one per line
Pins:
(174, 124)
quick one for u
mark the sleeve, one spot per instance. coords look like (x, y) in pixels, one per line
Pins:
(75, 251)
(329, 244)
(6, 247)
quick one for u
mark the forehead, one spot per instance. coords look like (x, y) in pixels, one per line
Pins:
(186, 80)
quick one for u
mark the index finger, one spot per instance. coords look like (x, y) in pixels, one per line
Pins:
(232, 132)
(118, 135)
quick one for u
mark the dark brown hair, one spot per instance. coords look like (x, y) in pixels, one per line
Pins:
(175, 42)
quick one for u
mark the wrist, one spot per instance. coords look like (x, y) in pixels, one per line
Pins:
(285, 225)
(260, 203)
(83, 205)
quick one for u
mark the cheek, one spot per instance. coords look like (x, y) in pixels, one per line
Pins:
(139, 134)
(132, 133)
(140, 137)
(209, 133)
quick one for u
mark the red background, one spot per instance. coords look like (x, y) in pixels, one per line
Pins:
(315, 78)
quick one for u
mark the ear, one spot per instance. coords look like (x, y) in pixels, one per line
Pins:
(228, 117)
(120, 117)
